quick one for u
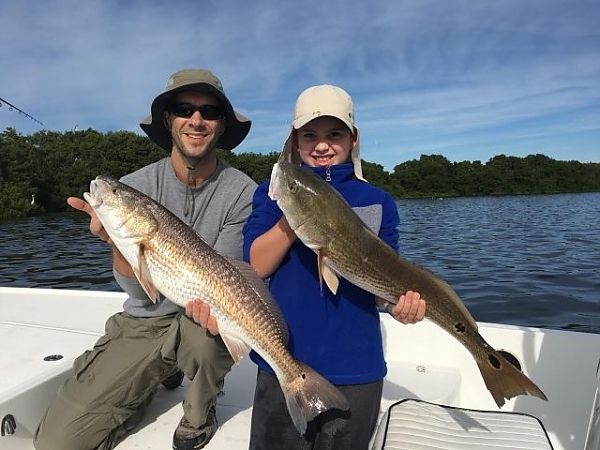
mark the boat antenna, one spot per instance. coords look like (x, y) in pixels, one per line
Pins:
(13, 107)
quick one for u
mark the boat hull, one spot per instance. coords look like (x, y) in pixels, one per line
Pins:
(423, 363)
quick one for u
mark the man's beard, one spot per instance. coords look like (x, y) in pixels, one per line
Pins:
(194, 159)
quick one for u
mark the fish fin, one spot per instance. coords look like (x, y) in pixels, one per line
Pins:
(331, 279)
(259, 285)
(319, 270)
(142, 273)
(237, 348)
(308, 395)
(326, 273)
(504, 380)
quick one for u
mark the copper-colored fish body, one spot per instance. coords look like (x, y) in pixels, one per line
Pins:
(171, 259)
(346, 247)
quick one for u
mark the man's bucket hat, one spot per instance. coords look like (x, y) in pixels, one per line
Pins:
(236, 125)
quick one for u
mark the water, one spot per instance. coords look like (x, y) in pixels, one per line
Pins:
(55, 251)
(528, 260)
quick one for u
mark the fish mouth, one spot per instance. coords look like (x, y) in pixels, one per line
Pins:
(93, 197)
(274, 184)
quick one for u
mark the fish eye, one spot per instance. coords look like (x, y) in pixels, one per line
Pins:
(292, 186)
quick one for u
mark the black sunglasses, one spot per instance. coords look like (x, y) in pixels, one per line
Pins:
(208, 112)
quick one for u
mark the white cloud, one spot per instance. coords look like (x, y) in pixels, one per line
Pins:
(454, 76)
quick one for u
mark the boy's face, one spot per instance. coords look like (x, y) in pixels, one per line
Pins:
(325, 141)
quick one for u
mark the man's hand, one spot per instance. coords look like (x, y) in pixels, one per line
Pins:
(96, 227)
(200, 313)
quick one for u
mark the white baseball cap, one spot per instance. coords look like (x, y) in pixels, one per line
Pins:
(317, 101)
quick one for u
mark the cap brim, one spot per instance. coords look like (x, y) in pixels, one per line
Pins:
(300, 121)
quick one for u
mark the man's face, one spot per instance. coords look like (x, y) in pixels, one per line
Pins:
(194, 136)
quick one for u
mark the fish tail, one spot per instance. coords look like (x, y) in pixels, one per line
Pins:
(308, 395)
(505, 381)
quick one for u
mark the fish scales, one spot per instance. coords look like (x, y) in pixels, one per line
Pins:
(171, 259)
(346, 247)
(175, 255)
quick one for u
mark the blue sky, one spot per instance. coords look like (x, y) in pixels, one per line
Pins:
(466, 79)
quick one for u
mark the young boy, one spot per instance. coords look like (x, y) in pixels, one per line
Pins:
(336, 334)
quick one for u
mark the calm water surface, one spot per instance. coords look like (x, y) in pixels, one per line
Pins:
(527, 260)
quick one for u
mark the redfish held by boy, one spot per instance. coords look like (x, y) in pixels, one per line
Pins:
(346, 247)
(170, 258)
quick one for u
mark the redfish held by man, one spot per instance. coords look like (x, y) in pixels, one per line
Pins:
(346, 247)
(170, 258)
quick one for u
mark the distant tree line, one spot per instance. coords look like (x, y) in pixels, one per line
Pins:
(39, 171)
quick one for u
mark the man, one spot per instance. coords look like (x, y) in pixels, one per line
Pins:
(148, 343)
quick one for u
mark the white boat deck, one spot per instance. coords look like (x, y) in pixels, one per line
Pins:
(423, 363)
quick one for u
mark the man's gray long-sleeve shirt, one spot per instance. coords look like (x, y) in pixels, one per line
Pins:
(218, 210)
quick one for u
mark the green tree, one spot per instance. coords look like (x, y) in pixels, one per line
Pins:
(53, 166)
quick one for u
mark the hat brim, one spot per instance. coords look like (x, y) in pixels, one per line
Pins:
(236, 125)
(300, 121)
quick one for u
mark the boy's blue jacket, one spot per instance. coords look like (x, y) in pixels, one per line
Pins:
(337, 335)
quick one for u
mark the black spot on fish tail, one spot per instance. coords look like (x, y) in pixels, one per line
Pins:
(495, 362)
(308, 395)
(460, 328)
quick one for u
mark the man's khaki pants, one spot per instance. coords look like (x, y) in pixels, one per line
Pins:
(104, 396)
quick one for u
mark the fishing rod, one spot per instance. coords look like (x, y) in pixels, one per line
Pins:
(13, 107)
